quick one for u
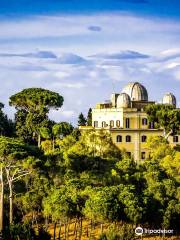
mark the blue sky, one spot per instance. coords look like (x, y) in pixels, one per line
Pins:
(85, 50)
(151, 7)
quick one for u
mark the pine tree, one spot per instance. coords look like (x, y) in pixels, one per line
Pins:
(89, 117)
(81, 120)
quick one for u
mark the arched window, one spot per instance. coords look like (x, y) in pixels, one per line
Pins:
(151, 125)
(144, 121)
(175, 139)
(111, 123)
(119, 138)
(143, 138)
(103, 124)
(127, 123)
(143, 155)
(117, 123)
(95, 124)
(128, 138)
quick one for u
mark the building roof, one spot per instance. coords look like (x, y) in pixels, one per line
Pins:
(123, 100)
(136, 91)
(169, 98)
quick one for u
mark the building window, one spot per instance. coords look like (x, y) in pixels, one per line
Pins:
(143, 138)
(175, 139)
(143, 155)
(111, 123)
(128, 154)
(118, 123)
(127, 123)
(144, 121)
(103, 124)
(151, 125)
(119, 138)
(128, 138)
(95, 123)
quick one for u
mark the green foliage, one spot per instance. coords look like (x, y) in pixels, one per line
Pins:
(62, 129)
(103, 205)
(6, 125)
(127, 171)
(82, 120)
(76, 133)
(33, 105)
(36, 100)
(82, 175)
(124, 232)
(115, 203)
(15, 149)
(165, 116)
(89, 117)
(86, 157)
(22, 131)
(62, 204)
(67, 143)
(172, 213)
(20, 231)
(132, 204)
(37, 187)
(99, 143)
(24, 231)
(162, 183)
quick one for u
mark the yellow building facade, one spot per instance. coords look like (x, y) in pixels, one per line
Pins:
(125, 118)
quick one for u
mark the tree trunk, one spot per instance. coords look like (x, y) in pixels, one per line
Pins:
(76, 233)
(46, 223)
(10, 202)
(65, 231)
(91, 224)
(75, 226)
(68, 226)
(59, 234)
(55, 231)
(101, 228)
(1, 200)
(87, 231)
(80, 233)
(10, 196)
(39, 140)
(166, 135)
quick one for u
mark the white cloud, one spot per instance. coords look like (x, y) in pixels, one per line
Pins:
(176, 72)
(122, 55)
(70, 32)
(76, 85)
(61, 74)
(68, 113)
(61, 62)
(37, 54)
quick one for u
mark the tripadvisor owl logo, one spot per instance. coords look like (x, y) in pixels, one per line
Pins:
(139, 231)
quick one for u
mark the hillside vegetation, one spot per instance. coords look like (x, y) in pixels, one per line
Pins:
(60, 183)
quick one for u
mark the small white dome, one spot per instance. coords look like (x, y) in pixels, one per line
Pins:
(170, 99)
(136, 91)
(123, 101)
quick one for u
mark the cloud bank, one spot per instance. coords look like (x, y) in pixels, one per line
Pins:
(85, 65)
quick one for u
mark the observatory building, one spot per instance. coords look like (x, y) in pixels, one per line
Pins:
(125, 118)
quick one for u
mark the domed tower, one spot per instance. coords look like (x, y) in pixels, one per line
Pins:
(170, 99)
(136, 91)
(123, 101)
